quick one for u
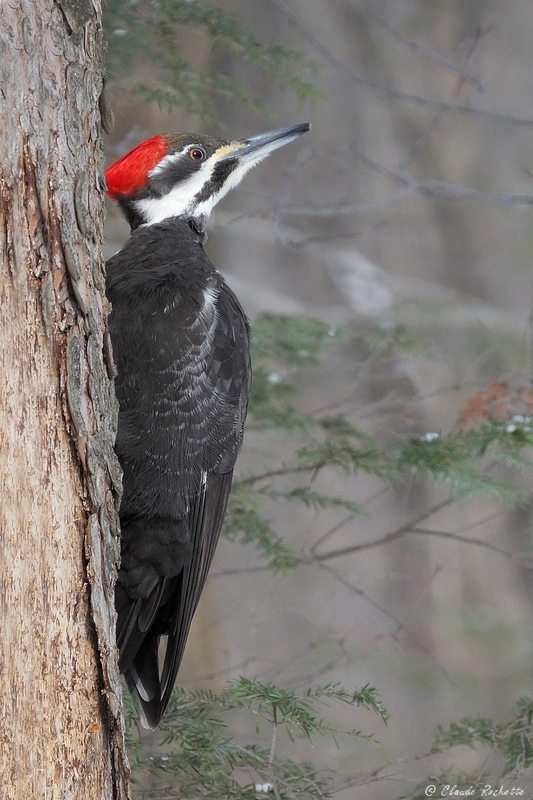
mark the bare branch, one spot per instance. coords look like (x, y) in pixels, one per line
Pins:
(412, 527)
(464, 540)
(425, 51)
(274, 473)
(396, 94)
(454, 94)
(428, 187)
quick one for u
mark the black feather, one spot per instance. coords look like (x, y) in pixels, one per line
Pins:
(181, 346)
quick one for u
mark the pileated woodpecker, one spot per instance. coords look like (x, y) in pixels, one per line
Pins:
(181, 346)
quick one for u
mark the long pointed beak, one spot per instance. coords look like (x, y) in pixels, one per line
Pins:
(262, 144)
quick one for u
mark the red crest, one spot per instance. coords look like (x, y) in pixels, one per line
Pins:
(130, 172)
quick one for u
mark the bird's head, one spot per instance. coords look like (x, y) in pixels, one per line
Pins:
(185, 174)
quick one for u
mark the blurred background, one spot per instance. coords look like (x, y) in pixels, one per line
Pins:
(408, 203)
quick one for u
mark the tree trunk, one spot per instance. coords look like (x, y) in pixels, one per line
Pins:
(60, 731)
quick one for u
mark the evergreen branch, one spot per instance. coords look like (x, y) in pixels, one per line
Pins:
(458, 459)
(469, 732)
(245, 523)
(227, 32)
(345, 458)
(367, 697)
(294, 341)
(513, 740)
(318, 501)
(209, 765)
(148, 34)
(194, 90)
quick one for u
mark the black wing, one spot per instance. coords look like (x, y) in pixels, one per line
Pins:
(152, 628)
(153, 632)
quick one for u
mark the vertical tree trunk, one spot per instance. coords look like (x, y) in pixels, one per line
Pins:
(60, 734)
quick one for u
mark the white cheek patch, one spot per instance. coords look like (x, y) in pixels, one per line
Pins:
(204, 208)
(180, 201)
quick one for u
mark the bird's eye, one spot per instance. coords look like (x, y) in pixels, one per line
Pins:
(197, 154)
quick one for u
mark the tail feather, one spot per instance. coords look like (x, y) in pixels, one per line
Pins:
(142, 679)
(149, 664)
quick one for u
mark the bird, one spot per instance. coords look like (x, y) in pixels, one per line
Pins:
(181, 346)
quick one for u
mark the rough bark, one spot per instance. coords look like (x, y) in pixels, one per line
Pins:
(60, 732)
